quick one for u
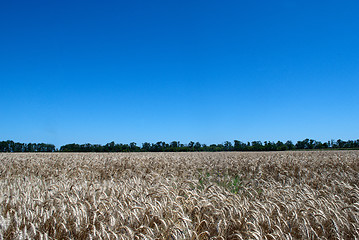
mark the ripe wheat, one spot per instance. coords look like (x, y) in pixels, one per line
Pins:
(281, 195)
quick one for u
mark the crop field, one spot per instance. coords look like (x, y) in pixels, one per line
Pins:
(267, 195)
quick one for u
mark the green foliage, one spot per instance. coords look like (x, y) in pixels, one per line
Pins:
(177, 146)
(11, 146)
(231, 183)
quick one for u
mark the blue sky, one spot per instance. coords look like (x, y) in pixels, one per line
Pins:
(207, 71)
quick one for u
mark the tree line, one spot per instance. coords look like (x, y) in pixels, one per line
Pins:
(11, 146)
(176, 146)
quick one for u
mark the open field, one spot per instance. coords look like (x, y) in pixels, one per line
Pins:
(279, 195)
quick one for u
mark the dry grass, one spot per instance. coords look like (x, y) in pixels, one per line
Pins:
(290, 195)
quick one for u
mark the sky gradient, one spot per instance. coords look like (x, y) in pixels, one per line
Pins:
(207, 71)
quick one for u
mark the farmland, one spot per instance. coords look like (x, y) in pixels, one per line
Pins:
(267, 195)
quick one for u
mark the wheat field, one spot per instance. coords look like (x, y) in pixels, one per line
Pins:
(278, 195)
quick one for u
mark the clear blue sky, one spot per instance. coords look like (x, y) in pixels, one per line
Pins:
(207, 71)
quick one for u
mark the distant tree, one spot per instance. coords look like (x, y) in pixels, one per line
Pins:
(300, 145)
(256, 146)
(197, 146)
(174, 146)
(191, 145)
(146, 147)
(280, 146)
(311, 144)
(133, 147)
(212, 147)
(204, 147)
(239, 146)
(4, 146)
(228, 146)
(290, 145)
